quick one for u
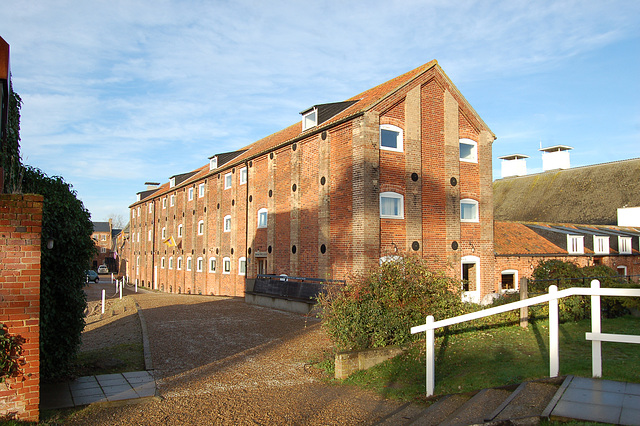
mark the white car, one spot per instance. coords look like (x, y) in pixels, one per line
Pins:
(102, 269)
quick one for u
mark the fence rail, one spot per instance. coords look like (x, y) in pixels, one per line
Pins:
(596, 336)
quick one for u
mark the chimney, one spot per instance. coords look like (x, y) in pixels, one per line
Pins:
(152, 185)
(514, 165)
(556, 157)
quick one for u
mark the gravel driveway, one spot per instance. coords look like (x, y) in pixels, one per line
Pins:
(220, 361)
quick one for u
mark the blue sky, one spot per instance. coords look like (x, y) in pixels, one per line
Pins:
(120, 92)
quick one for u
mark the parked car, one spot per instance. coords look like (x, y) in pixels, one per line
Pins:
(102, 269)
(92, 276)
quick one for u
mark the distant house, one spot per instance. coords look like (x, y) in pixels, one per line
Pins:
(520, 246)
(104, 236)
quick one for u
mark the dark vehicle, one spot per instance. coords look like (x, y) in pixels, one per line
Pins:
(92, 276)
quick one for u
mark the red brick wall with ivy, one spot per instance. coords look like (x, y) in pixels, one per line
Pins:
(20, 230)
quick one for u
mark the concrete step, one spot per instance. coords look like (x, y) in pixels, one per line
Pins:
(523, 405)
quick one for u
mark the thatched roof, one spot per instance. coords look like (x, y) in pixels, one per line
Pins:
(588, 195)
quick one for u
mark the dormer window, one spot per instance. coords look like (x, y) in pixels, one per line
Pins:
(624, 245)
(575, 244)
(309, 119)
(172, 182)
(213, 163)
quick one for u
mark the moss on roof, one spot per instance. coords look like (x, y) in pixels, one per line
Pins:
(588, 195)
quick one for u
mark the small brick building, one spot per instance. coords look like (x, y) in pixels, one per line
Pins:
(402, 167)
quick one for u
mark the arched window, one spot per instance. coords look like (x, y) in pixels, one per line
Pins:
(391, 205)
(179, 265)
(171, 262)
(391, 137)
(262, 218)
(226, 265)
(468, 151)
(469, 210)
(242, 266)
(212, 264)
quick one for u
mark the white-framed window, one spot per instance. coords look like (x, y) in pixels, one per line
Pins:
(201, 190)
(263, 216)
(391, 205)
(103, 237)
(133, 213)
(469, 210)
(600, 244)
(179, 264)
(190, 193)
(189, 263)
(150, 207)
(310, 119)
(138, 261)
(171, 262)
(227, 223)
(138, 211)
(149, 234)
(624, 245)
(228, 180)
(509, 280)
(103, 250)
(199, 264)
(391, 137)
(622, 270)
(164, 233)
(226, 265)
(212, 264)
(172, 200)
(468, 151)
(243, 176)
(180, 230)
(242, 266)
(213, 163)
(575, 244)
(201, 227)
(162, 263)
(164, 203)
(172, 182)
(138, 237)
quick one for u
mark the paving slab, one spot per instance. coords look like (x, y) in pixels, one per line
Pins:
(98, 389)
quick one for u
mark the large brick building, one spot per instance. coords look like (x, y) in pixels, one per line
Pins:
(402, 167)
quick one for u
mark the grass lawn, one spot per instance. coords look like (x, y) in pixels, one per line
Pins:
(115, 359)
(503, 355)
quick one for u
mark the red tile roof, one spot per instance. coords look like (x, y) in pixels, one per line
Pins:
(513, 238)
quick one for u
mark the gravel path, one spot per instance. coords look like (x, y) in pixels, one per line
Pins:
(220, 361)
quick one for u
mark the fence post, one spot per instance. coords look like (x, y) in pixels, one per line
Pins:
(430, 356)
(524, 311)
(596, 327)
(554, 360)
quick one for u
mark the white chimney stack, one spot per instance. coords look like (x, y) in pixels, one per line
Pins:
(514, 165)
(556, 157)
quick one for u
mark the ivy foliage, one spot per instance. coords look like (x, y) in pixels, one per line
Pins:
(10, 153)
(67, 223)
(378, 308)
(11, 359)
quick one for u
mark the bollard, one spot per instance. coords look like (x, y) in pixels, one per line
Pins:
(136, 286)
(103, 295)
(120, 290)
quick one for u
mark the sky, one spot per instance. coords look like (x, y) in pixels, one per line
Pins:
(120, 92)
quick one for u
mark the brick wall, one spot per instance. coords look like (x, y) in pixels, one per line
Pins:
(20, 229)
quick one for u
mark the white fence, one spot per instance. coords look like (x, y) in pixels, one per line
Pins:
(596, 336)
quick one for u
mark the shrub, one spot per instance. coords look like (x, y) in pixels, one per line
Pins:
(378, 308)
(575, 308)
